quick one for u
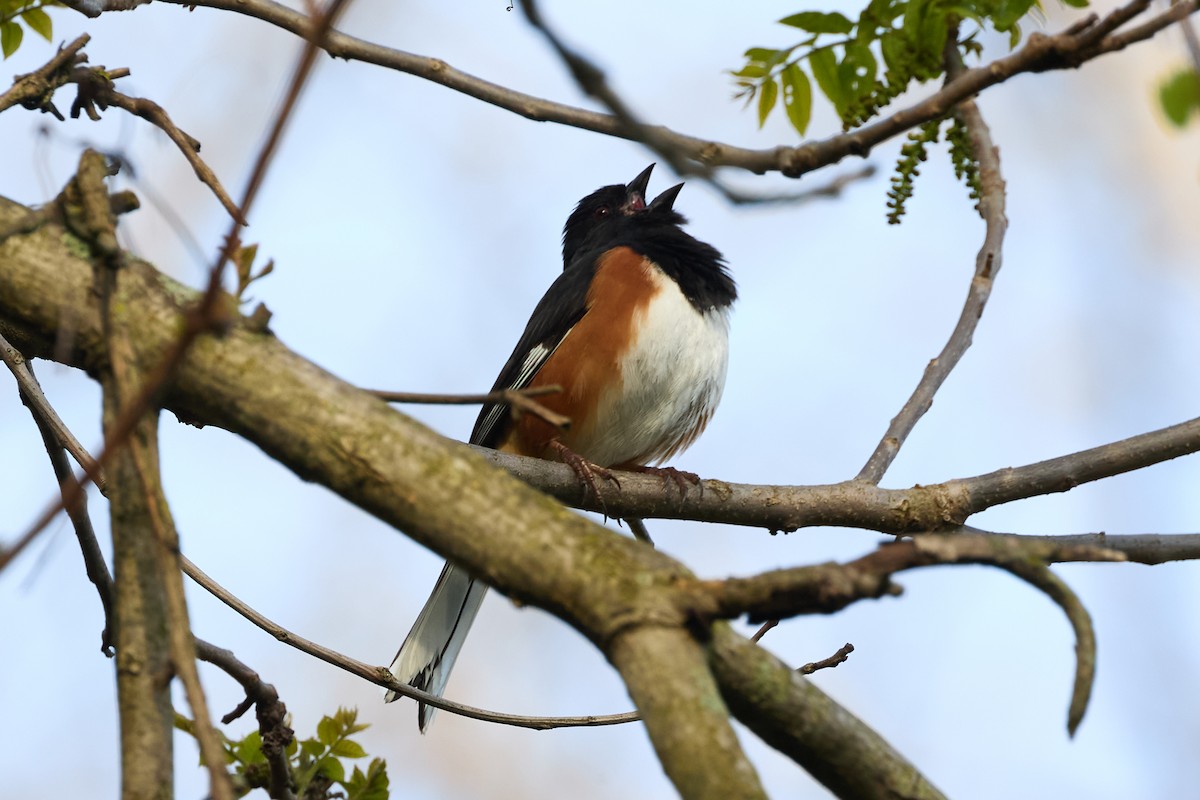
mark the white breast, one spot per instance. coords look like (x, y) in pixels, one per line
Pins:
(673, 376)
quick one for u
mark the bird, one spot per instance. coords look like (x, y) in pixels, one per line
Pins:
(635, 331)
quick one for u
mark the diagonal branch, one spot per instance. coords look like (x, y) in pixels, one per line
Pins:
(791, 714)
(44, 413)
(381, 676)
(1066, 50)
(987, 266)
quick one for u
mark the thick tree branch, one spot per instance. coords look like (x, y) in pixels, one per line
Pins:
(537, 552)
(42, 282)
(857, 504)
(1067, 50)
(148, 512)
(143, 649)
(668, 678)
(795, 717)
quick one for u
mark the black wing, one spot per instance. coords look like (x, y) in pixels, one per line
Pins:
(563, 305)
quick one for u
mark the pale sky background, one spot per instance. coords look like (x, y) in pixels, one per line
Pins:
(413, 230)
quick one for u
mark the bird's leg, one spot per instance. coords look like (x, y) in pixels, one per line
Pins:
(586, 470)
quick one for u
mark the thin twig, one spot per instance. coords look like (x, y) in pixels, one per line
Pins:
(987, 266)
(521, 399)
(1066, 50)
(271, 711)
(762, 631)
(639, 530)
(380, 676)
(34, 89)
(97, 88)
(93, 559)
(1191, 40)
(1040, 577)
(31, 392)
(208, 313)
(839, 657)
(1138, 548)
(592, 81)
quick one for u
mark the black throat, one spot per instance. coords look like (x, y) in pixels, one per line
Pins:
(697, 267)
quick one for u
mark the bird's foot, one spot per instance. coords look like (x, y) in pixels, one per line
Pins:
(681, 479)
(585, 470)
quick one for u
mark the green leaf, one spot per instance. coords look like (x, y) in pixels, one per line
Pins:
(371, 786)
(767, 57)
(311, 748)
(1077, 3)
(932, 36)
(824, 70)
(766, 100)
(1179, 96)
(751, 70)
(1014, 37)
(331, 768)
(348, 748)
(1009, 12)
(249, 750)
(818, 22)
(39, 22)
(10, 37)
(797, 97)
(895, 51)
(327, 731)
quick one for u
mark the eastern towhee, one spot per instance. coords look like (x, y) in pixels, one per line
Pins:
(635, 330)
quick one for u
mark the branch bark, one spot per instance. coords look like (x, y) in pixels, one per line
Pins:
(437, 491)
(1066, 50)
(795, 717)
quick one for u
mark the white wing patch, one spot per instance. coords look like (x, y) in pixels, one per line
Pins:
(533, 362)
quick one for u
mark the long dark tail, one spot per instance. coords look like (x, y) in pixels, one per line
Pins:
(425, 659)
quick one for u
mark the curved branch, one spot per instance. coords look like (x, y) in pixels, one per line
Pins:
(828, 588)
(987, 266)
(270, 710)
(1066, 50)
(380, 676)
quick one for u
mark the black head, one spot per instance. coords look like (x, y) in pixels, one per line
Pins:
(603, 212)
(619, 216)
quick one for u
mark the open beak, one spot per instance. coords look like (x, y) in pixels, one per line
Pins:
(635, 191)
(666, 200)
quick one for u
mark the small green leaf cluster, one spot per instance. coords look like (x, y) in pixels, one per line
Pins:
(916, 150)
(243, 264)
(862, 64)
(316, 764)
(33, 14)
(912, 153)
(1179, 96)
(962, 156)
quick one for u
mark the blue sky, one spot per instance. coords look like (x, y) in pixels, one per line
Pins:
(413, 230)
